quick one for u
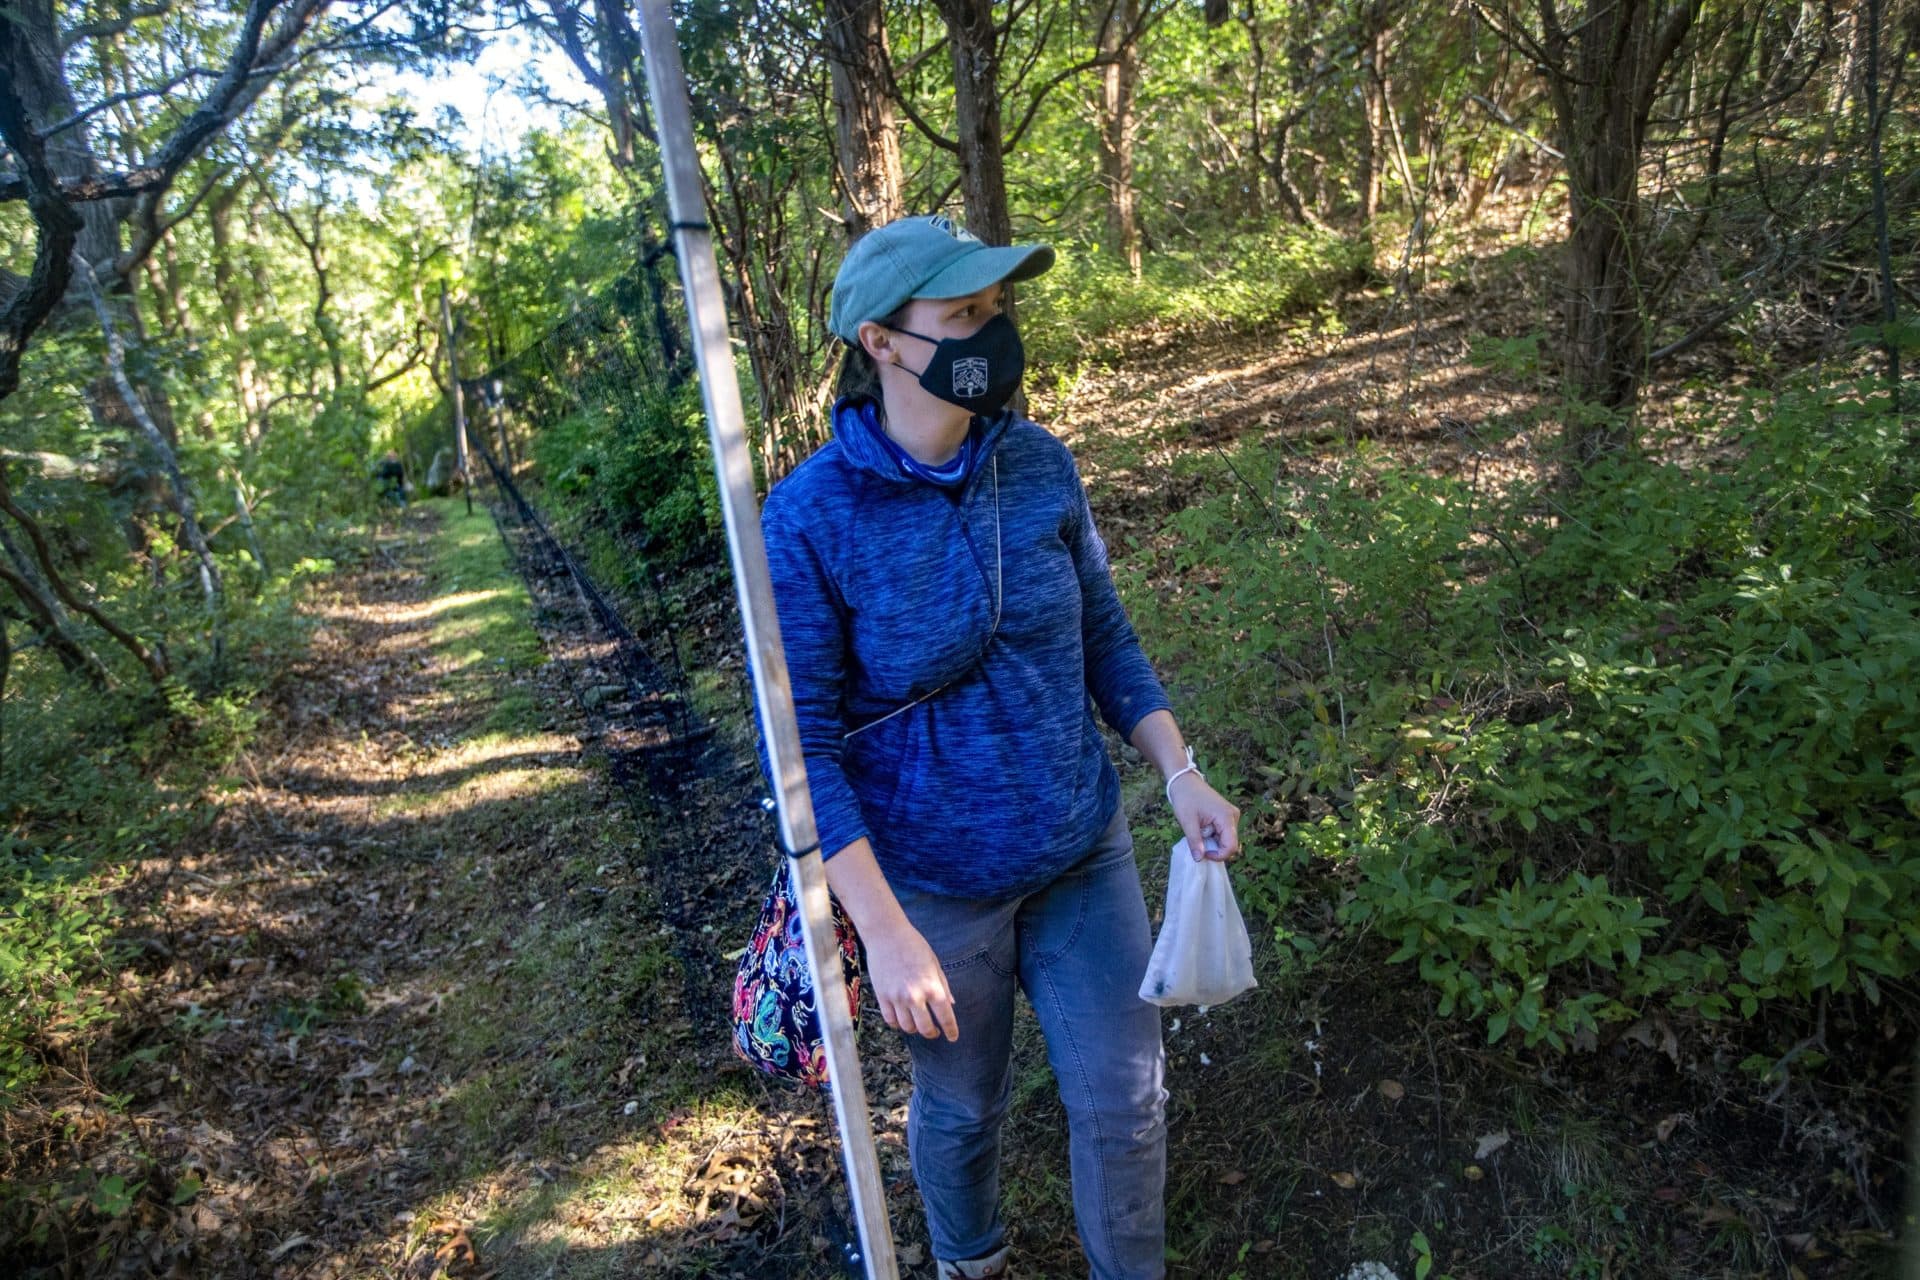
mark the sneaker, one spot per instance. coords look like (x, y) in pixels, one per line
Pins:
(995, 1266)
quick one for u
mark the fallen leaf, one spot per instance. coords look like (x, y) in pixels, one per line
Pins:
(1344, 1181)
(1657, 1034)
(1392, 1090)
(1233, 1178)
(1474, 1173)
(1667, 1125)
(1490, 1143)
(459, 1251)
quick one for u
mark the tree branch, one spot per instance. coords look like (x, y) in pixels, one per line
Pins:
(1499, 113)
(57, 224)
(932, 134)
(156, 668)
(111, 26)
(132, 95)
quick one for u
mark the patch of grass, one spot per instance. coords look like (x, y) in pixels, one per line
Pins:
(482, 615)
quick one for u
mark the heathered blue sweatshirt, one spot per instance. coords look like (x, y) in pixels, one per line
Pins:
(886, 587)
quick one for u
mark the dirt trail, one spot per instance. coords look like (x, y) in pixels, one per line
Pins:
(412, 1003)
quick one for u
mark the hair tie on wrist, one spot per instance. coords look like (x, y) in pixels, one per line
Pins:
(1181, 773)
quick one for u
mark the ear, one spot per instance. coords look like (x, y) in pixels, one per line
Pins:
(877, 341)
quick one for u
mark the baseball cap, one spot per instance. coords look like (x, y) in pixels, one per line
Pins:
(922, 257)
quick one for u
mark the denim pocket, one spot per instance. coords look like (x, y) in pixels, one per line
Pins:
(983, 956)
(1070, 892)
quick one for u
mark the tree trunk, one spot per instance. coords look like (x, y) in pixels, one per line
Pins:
(855, 37)
(976, 90)
(1606, 68)
(1118, 81)
(1283, 180)
(1889, 305)
(316, 248)
(6, 669)
(1374, 44)
(454, 396)
(1605, 344)
(1256, 104)
(33, 60)
(226, 283)
(180, 492)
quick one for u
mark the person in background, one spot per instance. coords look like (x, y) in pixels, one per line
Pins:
(391, 476)
(950, 625)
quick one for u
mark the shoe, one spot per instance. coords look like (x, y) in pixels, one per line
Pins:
(995, 1266)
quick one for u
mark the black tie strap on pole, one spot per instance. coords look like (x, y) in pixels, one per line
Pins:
(773, 696)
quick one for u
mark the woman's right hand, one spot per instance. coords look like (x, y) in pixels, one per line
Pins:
(909, 983)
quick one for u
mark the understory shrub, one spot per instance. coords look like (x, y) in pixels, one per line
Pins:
(1249, 278)
(1651, 744)
(638, 459)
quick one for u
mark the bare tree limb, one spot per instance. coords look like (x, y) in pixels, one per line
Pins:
(1500, 114)
(103, 27)
(900, 98)
(167, 86)
(256, 59)
(73, 655)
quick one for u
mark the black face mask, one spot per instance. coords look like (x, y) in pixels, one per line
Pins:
(980, 372)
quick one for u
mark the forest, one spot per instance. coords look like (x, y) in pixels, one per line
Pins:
(1499, 415)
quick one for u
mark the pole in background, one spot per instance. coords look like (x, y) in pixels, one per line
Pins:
(726, 428)
(459, 402)
(497, 405)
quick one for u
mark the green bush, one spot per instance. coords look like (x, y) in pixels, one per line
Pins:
(1251, 278)
(639, 459)
(87, 784)
(1653, 743)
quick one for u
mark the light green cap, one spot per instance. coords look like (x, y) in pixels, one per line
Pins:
(922, 257)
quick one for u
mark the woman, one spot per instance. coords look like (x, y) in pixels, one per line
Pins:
(947, 609)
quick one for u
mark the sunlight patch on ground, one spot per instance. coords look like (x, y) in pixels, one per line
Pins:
(701, 1177)
(425, 611)
(494, 747)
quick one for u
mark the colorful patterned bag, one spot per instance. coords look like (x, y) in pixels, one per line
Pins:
(776, 1020)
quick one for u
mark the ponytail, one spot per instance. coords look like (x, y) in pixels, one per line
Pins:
(859, 376)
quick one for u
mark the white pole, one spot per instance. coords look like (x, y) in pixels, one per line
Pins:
(726, 428)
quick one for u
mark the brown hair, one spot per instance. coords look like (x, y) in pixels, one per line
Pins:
(859, 376)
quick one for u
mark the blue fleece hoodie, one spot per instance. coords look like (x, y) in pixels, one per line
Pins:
(887, 587)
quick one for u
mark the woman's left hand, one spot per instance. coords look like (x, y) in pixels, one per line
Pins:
(1203, 813)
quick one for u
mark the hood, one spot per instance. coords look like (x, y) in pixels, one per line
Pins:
(856, 429)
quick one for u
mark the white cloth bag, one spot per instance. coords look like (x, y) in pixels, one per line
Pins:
(1203, 954)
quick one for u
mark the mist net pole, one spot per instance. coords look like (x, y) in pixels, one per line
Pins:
(726, 428)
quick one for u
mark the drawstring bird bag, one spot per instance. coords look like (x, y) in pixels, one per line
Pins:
(1203, 954)
(776, 1012)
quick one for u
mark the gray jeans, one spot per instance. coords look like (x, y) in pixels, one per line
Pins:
(1078, 948)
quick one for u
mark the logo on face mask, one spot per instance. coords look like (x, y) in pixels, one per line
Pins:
(970, 377)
